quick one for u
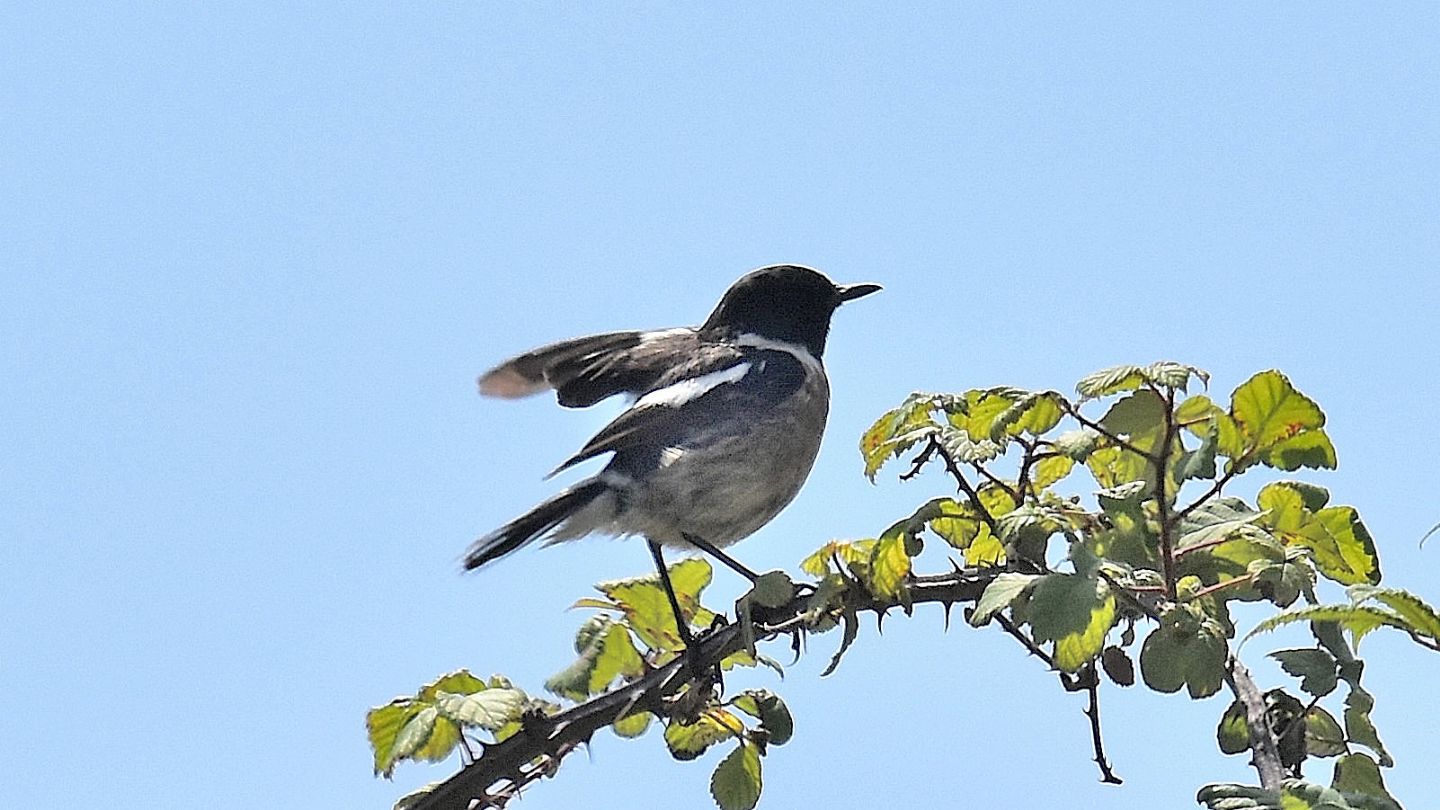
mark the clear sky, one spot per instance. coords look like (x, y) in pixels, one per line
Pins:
(255, 255)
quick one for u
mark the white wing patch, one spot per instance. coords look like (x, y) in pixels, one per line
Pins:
(687, 390)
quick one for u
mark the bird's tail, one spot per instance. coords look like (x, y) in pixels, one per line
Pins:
(532, 524)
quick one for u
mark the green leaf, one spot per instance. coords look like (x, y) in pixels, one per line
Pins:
(1049, 471)
(1033, 413)
(1197, 464)
(1267, 410)
(1169, 374)
(687, 741)
(1343, 548)
(1411, 609)
(1323, 735)
(383, 724)
(1358, 774)
(1076, 444)
(1312, 449)
(773, 589)
(1075, 612)
(896, 431)
(889, 563)
(1307, 796)
(1233, 733)
(1188, 649)
(1239, 797)
(632, 725)
(1315, 668)
(1359, 620)
(647, 608)
(1358, 726)
(488, 709)
(1112, 380)
(966, 448)
(415, 735)
(1142, 414)
(998, 595)
(770, 710)
(735, 785)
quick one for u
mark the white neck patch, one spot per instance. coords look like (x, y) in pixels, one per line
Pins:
(799, 352)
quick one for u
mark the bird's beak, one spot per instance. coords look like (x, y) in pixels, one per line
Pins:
(853, 291)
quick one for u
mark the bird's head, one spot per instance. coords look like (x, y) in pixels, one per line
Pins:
(785, 302)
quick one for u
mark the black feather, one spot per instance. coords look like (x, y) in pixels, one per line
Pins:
(532, 524)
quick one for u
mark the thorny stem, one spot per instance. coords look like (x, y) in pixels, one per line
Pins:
(1093, 712)
(1087, 681)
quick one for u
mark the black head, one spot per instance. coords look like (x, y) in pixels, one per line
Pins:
(783, 302)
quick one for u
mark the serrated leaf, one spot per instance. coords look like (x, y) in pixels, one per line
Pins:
(1358, 726)
(488, 709)
(1359, 620)
(736, 783)
(416, 734)
(647, 608)
(1312, 449)
(998, 595)
(383, 724)
(1420, 617)
(1267, 410)
(1169, 374)
(1049, 471)
(1115, 467)
(1315, 668)
(889, 564)
(896, 431)
(1076, 444)
(460, 682)
(966, 448)
(1112, 380)
(1118, 666)
(1033, 413)
(1073, 611)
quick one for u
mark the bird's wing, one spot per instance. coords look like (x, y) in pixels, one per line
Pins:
(718, 379)
(585, 370)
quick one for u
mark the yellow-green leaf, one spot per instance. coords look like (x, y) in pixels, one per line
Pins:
(1268, 410)
(1073, 611)
(632, 725)
(736, 783)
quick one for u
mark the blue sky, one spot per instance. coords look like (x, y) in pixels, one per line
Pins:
(256, 255)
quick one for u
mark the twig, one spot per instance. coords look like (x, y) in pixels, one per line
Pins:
(1074, 412)
(954, 469)
(1093, 712)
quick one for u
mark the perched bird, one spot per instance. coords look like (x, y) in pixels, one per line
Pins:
(724, 428)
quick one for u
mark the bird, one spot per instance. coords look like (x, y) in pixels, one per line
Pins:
(724, 425)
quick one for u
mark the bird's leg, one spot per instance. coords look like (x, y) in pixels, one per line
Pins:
(680, 623)
(714, 551)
